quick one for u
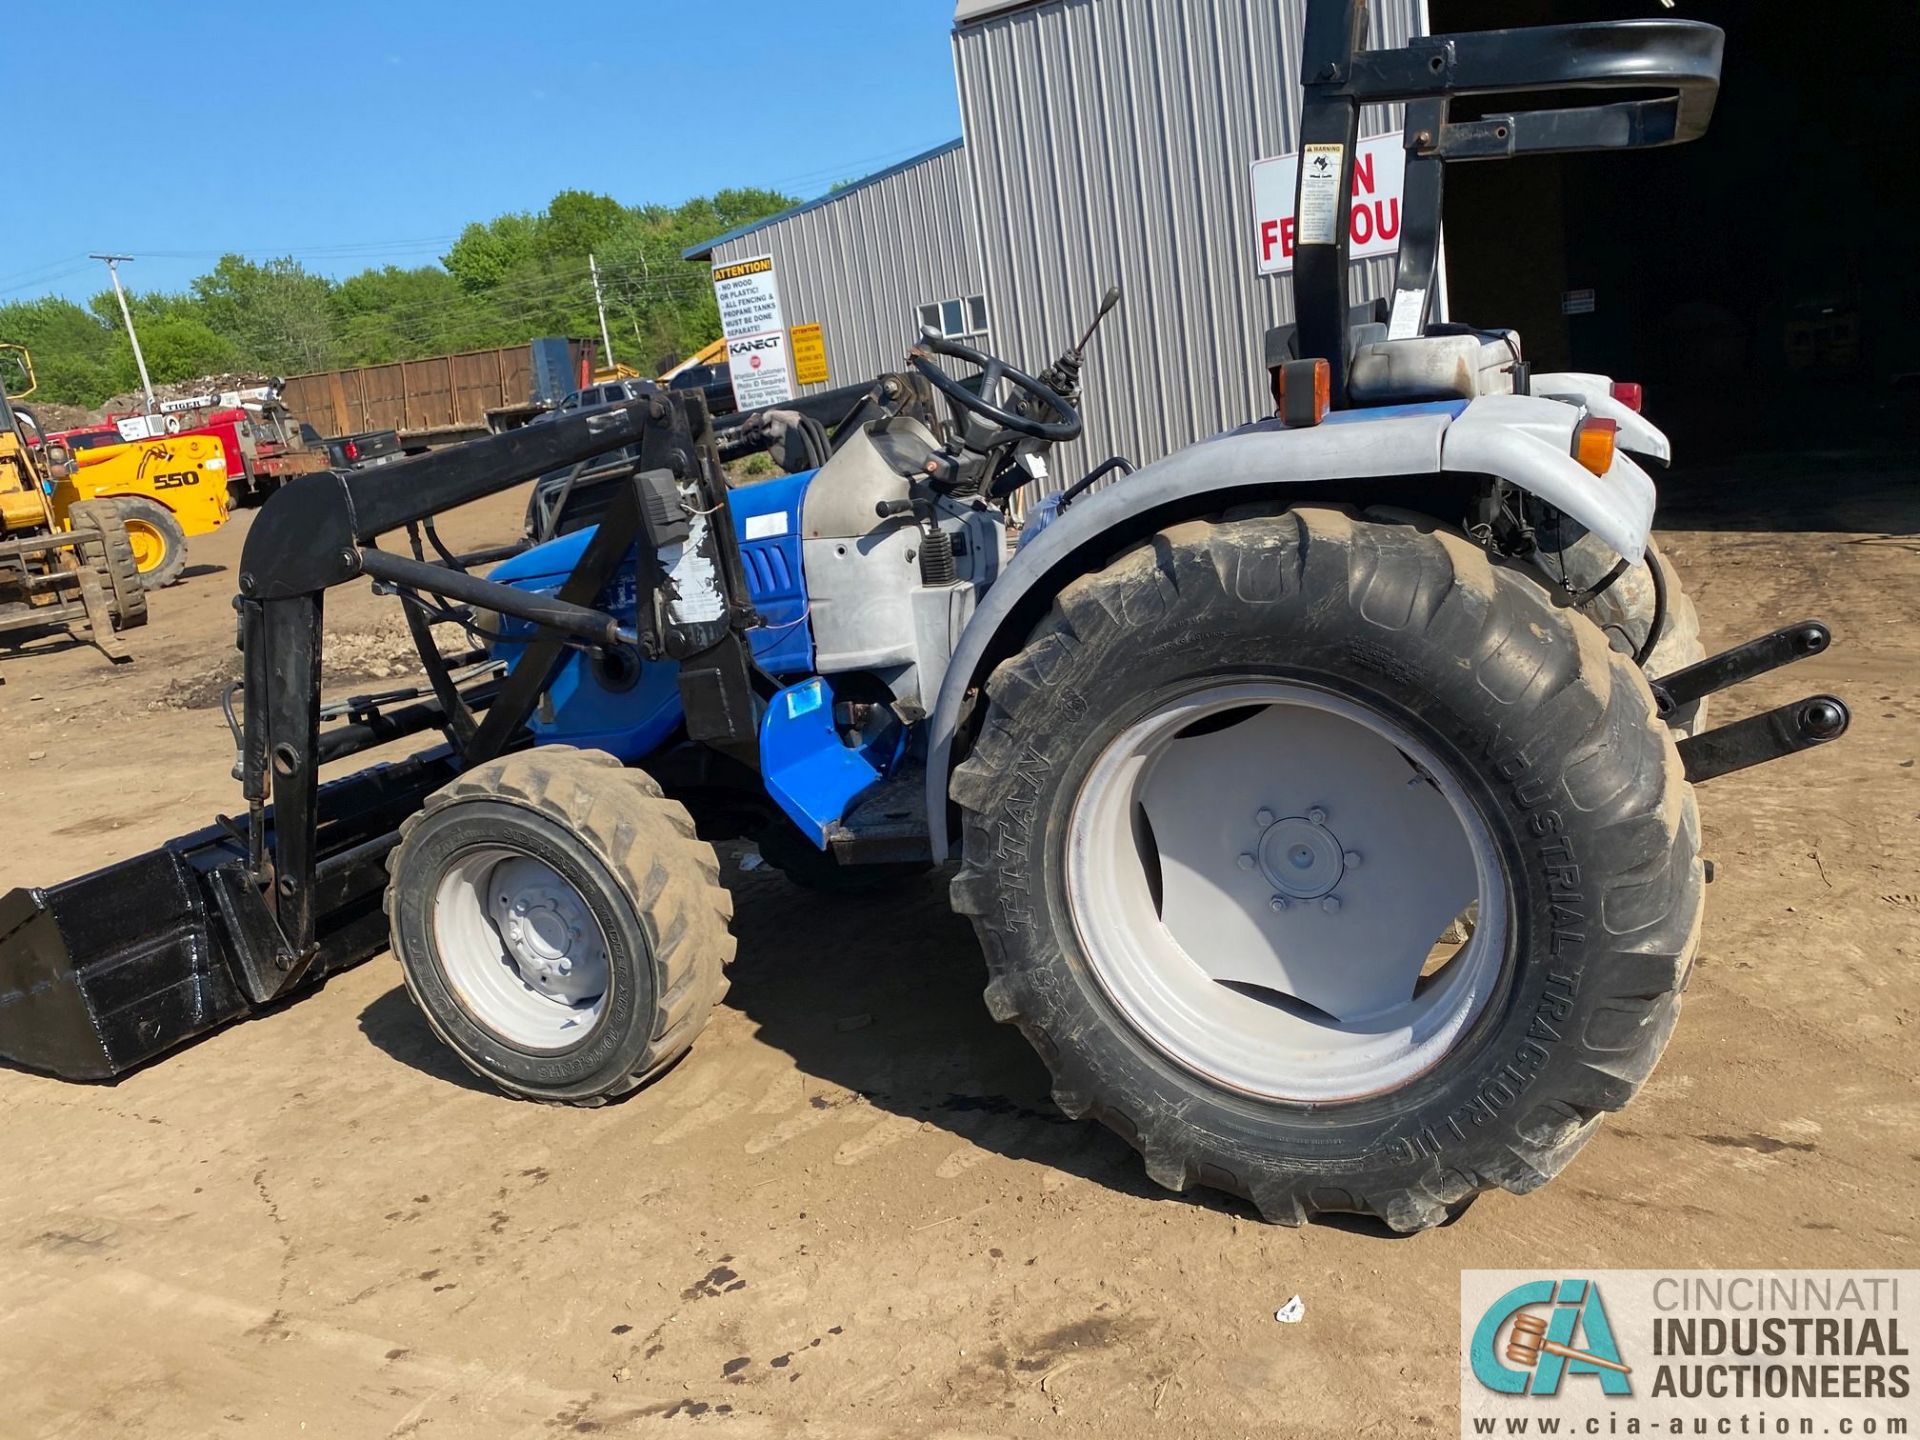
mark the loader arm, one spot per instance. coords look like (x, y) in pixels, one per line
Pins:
(102, 972)
(322, 531)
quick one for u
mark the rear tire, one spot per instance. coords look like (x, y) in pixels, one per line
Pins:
(1624, 611)
(111, 556)
(159, 544)
(559, 925)
(1543, 742)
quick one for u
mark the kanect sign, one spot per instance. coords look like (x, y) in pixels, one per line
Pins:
(748, 292)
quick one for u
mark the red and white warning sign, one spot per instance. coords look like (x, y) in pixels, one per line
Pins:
(1379, 181)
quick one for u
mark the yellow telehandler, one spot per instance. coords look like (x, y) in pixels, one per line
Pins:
(164, 489)
(70, 564)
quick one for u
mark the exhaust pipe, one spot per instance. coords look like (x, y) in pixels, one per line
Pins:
(105, 972)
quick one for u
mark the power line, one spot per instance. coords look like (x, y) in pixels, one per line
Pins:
(56, 274)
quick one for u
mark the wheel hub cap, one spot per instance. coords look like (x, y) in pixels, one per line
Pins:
(1260, 873)
(547, 929)
(147, 546)
(1301, 860)
(521, 948)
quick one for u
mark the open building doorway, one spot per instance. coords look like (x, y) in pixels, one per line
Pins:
(1760, 281)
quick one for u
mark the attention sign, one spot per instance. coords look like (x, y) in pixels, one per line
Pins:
(1379, 181)
(749, 296)
(809, 355)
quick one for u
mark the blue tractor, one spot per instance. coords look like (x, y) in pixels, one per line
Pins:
(1322, 794)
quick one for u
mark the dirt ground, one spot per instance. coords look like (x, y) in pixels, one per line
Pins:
(853, 1210)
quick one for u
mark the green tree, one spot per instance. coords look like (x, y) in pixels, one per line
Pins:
(578, 221)
(276, 315)
(485, 253)
(71, 348)
(177, 346)
(394, 314)
(502, 282)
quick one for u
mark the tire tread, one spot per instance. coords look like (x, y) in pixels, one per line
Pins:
(1430, 581)
(645, 842)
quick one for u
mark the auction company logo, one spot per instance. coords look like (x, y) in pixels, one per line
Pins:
(1518, 1351)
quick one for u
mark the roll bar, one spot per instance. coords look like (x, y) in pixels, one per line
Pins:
(1680, 59)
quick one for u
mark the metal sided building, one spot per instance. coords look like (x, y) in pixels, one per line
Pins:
(872, 261)
(1105, 141)
(1114, 140)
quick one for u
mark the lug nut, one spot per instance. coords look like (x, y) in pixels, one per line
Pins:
(1330, 905)
(1279, 902)
(1351, 859)
(519, 907)
(1263, 819)
(1316, 816)
(1247, 862)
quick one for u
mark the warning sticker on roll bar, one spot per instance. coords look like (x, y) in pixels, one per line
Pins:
(1319, 193)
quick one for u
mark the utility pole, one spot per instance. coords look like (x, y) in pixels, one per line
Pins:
(593, 268)
(113, 269)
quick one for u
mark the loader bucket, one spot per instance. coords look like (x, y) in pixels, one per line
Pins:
(101, 973)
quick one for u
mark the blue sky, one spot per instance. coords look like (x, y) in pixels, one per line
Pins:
(353, 134)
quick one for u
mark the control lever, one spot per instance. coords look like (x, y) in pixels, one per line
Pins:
(936, 546)
(1063, 376)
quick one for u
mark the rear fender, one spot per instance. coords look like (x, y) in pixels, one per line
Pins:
(1527, 440)
(1638, 435)
(1522, 439)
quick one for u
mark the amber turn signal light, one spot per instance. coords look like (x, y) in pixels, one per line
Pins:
(1593, 442)
(1302, 391)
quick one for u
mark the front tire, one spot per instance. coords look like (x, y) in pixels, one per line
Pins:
(1364, 704)
(111, 556)
(559, 925)
(159, 544)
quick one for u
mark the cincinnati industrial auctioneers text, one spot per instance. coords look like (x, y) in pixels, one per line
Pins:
(1753, 1337)
(1688, 1352)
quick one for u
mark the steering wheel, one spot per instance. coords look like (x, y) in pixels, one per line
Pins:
(1064, 427)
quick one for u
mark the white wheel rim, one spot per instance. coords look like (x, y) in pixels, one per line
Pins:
(520, 948)
(1309, 854)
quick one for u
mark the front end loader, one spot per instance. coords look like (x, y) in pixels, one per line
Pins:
(1322, 795)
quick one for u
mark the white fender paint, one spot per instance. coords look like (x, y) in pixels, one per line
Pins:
(1523, 439)
(1638, 435)
(1528, 440)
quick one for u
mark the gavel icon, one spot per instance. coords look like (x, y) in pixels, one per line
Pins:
(1527, 1342)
